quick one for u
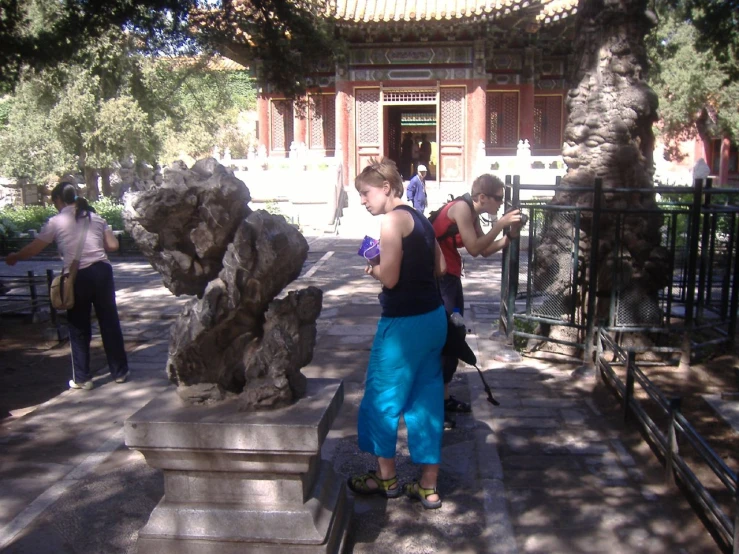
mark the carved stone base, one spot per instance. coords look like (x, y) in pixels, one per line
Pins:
(243, 481)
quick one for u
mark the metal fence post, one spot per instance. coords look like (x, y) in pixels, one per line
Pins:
(703, 270)
(736, 519)
(513, 261)
(672, 448)
(505, 265)
(629, 390)
(598, 355)
(694, 239)
(33, 294)
(593, 272)
(734, 302)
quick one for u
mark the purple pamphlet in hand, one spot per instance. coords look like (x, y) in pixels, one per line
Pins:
(370, 250)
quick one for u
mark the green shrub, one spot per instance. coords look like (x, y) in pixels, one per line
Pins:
(23, 219)
(110, 210)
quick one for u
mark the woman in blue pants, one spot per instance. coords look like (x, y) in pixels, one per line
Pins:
(404, 374)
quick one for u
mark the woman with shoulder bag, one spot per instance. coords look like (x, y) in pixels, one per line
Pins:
(83, 239)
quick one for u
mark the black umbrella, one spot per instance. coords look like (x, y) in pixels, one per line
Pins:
(456, 346)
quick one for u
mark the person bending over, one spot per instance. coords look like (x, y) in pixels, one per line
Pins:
(464, 223)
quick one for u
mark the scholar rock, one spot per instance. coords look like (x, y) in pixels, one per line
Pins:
(235, 339)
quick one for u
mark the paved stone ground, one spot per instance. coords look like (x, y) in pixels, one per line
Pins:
(545, 472)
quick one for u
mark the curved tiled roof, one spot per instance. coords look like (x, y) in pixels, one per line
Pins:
(553, 10)
(366, 11)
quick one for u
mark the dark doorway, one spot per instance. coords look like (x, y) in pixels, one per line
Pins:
(402, 122)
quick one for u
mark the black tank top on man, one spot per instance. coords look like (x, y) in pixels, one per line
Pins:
(416, 291)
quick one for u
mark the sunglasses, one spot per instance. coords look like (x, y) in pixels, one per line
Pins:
(498, 199)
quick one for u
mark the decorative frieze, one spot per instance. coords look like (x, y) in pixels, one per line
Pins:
(505, 79)
(411, 56)
(506, 61)
(409, 74)
(551, 84)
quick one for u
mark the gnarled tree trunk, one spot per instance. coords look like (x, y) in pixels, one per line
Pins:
(608, 135)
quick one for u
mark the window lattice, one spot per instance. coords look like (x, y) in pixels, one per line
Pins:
(282, 124)
(315, 135)
(547, 122)
(502, 120)
(329, 121)
(322, 122)
(452, 115)
(390, 96)
(368, 117)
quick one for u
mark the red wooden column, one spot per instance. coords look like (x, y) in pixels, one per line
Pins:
(526, 125)
(343, 90)
(263, 118)
(477, 109)
(300, 122)
(527, 112)
(723, 168)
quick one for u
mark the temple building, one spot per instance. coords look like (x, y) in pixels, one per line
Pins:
(475, 77)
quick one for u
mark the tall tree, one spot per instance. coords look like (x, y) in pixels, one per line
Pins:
(716, 23)
(697, 96)
(608, 135)
(287, 38)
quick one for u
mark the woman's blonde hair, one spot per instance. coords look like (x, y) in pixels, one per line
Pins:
(379, 171)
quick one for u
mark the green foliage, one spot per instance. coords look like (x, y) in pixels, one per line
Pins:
(23, 219)
(690, 83)
(5, 105)
(716, 23)
(291, 38)
(520, 344)
(121, 104)
(111, 211)
(203, 108)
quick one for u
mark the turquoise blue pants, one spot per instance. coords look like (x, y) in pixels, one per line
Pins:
(404, 377)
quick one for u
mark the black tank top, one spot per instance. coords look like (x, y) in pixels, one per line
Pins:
(416, 291)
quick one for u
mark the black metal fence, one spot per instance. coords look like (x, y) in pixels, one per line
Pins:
(28, 295)
(670, 433)
(696, 302)
(698, 244)
(127, 246)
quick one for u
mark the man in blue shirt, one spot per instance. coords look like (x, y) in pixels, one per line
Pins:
(416, 192)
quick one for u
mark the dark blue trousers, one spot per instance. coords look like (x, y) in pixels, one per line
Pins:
(453, 297)
(94, 287)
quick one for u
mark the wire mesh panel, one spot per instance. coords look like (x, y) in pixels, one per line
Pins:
(635, 307)
(552, 280)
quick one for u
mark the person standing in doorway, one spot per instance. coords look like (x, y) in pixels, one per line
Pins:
(456, 226)
(424, 151)
(415, 154)
(93, 286)
(416, 191)
(406, 156)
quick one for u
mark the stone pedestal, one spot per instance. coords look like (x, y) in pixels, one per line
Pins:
(243, 481)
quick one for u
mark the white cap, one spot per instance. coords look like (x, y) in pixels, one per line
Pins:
(422, 168)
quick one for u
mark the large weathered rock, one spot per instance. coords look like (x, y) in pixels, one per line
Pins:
(212, 334)
(235, 338)
(273, 363)
(184, 226)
